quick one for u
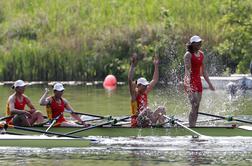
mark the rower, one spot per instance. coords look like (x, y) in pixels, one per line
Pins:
(16, 106)
(56, 105)
(194, 68)
(142, 116)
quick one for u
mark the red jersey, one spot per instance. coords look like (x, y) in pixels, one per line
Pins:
(57, 109)
(142, 102)
(20, 105)
(196, 64)
(137, 106)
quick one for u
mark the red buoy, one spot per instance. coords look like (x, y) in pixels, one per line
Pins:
(110, 82)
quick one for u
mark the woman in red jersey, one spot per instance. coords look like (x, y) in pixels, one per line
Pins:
(56, 105)
(141, 115)
(194, 68)
(16, 106)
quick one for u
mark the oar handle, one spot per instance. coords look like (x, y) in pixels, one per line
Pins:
(53, 122)
(6, 117)
(97, 116)
(57, 117)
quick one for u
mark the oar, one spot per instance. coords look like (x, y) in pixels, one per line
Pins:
(53, 122)
(113, 121)
(6, 117)
(80, 113)
(97, 117)
(202, 121)
(89, 120)
(228, 118)
(180, 124)
(87, 114)
(40, 131)
(164, 123)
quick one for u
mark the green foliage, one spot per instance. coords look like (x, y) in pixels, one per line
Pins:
(236, 32)
(88, 39)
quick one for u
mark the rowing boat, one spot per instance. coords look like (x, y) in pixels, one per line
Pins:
(77, 136)
(26, 138)
(41, 141)
(33, 139)
(126, 131)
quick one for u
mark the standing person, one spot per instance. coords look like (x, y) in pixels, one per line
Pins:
(56, 105)
(142, 116)
(16, 106)
(194, 67)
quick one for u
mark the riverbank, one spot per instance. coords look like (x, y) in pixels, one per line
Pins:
(71, 83)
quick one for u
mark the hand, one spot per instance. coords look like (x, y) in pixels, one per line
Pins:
(31, 111)
(211, 87)
(85, 124)
(133, 59)
(156, 60)
(46, 90)
(27, 114)
(187, 85)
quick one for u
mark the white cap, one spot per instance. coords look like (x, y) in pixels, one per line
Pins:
(142, 81)
(58, 87)
(19, 83)
(195, 39)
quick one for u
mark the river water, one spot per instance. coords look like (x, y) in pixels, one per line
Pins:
(139, 151)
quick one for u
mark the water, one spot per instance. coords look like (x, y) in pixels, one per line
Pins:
(139, 151)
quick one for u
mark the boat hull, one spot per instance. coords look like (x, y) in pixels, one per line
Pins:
(128, 132)
(40, 141)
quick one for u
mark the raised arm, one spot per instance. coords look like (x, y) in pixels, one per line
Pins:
(155, 74)
(133, 62)
(43, 100)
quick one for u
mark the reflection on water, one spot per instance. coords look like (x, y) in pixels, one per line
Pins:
(139, 151)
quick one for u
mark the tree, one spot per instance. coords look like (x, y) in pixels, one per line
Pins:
(236, 30)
